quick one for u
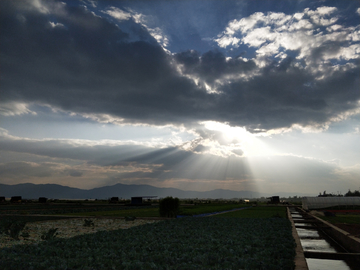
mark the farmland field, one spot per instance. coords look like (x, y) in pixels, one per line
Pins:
(59, 209)
(258, 212)
(207, 208)
(252, 238)
(91, 209)
(153, 211)
(348, 219)
(187, 243)
(134, 211)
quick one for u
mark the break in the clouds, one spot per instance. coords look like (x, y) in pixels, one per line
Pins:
(215, 78)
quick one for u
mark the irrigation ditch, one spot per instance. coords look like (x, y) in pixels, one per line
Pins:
(321, 245)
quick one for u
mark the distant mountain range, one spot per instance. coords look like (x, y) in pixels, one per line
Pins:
(53, 191)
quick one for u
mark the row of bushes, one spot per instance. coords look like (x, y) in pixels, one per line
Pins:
(169, 207)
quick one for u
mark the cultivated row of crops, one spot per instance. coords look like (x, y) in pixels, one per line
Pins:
(187, 243)
(53, 209)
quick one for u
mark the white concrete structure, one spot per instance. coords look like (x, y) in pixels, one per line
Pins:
(309, 203)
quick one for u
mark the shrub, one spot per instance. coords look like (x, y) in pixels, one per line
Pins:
(12, 227)
(25, 235)
(169, 207)
(50, 234)
(88, 223)
(127, 218)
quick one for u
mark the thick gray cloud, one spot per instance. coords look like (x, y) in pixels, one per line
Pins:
(212, 65)
(69, 58)
(25, 170)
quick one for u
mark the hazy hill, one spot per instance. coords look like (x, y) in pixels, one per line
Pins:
(32, 191)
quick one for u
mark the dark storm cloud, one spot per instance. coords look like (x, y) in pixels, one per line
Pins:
(69, 58)
(93, 154)
(212, 65)
(74, 173)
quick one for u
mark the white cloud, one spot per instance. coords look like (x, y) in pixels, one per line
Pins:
(298, 16)
(302, 24)
(275, 33)
(354, 35)
(118, 13)
(335, 27)
(351, 52)
(38, 4)
(15, 108)
(92, 3)
(160, 37)
(326, 10)
(228, 41)
(53, 25)
(277, 18)
(245, 24)
(259, 36)
(269, 49)
(156, 32)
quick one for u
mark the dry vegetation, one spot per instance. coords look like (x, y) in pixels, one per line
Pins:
(67, 228)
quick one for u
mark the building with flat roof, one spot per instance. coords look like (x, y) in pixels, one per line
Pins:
(139, 200)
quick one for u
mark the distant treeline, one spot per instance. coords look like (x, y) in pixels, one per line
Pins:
(356, 193)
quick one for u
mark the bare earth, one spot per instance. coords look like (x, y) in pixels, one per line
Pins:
(68, 228)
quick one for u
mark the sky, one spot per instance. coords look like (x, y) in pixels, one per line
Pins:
(197, 95)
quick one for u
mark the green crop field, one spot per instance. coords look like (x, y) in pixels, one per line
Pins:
(207, 208)
(133, 212)
(185, 243)
(257, 212)
(153, 211)
(349, 219)
(250, 238)
(58, 209)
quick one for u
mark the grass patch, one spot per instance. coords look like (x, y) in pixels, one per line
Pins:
(133, 212)
(348, 219)
(29, 218)
(257, 212)
(154, 211)
(342, 207)
(207, 208)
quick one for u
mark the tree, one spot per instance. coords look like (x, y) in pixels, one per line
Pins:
(356, 193)
(169, 207)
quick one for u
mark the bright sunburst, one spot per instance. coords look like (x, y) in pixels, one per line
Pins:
(237, 139)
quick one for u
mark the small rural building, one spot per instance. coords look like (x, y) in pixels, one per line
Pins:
(16, 199)
(139, 200)
(309, 203)
(2, 199)
(274, 200)
(42, 200)
(114, 200)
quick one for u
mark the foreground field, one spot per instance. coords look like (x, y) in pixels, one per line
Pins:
(258, 212)
(153, 211)
(186, 243)
(67, 228)
(110, 210)
(349, 222)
